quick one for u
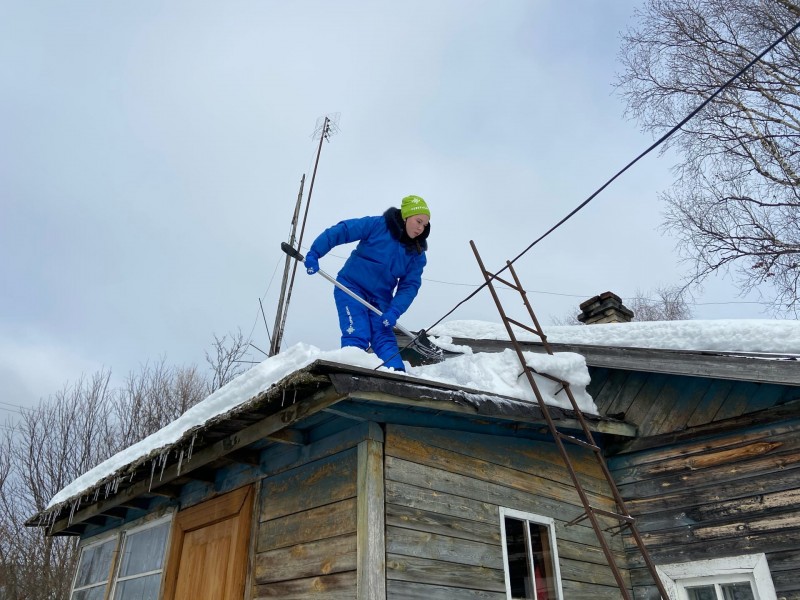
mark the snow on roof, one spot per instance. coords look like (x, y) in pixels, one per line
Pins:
(495, 373)
(725, 335)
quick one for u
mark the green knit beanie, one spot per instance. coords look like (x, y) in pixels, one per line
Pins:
(413, 205)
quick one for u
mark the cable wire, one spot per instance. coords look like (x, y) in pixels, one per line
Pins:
(652, 147)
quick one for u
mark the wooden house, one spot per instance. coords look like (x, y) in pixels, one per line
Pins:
(342, 482)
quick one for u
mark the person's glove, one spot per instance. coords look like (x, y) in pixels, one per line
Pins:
(390, 317)
(311, 262)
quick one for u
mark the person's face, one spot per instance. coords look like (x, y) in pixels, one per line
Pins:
(415, 225)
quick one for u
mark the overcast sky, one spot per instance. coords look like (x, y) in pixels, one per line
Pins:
(151, 154)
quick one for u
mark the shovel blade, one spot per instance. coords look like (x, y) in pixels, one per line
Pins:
(422, 351)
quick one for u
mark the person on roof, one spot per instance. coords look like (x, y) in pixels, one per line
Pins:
(385, 269)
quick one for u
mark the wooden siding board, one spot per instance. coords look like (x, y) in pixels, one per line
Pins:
(761, 458)
(319, 523)
(434, 572)
(327, 480)
(709, 405)
(443, 496)
(575, 541)
(689, 392)
(337, 586)
(408, 542)
(645, 399)
(420, 520)
(633, 386)
(513, 460)
(716, 512)
(719, 452)
(300, 561)
(678, 447)
(736, 401)
(730, 490)
(663, 404)
(407, 590)
(765, 396)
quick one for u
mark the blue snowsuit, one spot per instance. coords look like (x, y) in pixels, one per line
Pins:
(385, 259)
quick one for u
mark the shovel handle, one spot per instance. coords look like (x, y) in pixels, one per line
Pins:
(295, 253)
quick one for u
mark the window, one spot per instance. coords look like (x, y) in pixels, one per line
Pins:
(735, 578)
(135, 555)
(141, 562)
(530, 556)
(94, 569)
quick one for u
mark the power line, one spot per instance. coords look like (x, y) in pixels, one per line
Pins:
(652, 147)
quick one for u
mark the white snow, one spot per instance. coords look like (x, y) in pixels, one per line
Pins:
(492, 373)
(495, 374)
(724, 335)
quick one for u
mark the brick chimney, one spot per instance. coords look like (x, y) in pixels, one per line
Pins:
(605, 308)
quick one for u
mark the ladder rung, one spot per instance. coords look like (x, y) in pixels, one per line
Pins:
(525, 327)
(577, 442)
(564, 384)
(513, 286)
(625, 519)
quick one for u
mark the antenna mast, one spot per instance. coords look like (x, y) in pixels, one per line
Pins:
(325, 128)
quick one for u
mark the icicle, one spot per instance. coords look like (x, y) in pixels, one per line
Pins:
(180, 462)
(191, 447)
(96, 494)
(163, 459)
(283, 396)
(294, 399)
(72, 510)
(152, 472)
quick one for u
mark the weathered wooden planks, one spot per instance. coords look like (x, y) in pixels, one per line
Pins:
(307, 533)
(443, 495)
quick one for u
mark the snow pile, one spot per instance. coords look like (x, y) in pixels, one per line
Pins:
(501, 373)
(496, 373)
(724, 335)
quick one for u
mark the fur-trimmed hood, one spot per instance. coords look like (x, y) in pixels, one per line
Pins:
(397, 228)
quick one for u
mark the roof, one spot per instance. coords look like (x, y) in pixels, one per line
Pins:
(285, 413)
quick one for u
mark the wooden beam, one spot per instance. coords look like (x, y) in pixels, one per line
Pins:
(269, 425)
(288, 436)
(371, 541)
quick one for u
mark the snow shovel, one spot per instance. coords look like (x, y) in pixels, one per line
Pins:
(421, 350)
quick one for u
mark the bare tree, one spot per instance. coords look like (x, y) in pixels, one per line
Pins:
(666, 303)
(225, 361)
(75, 429)
(154, 397)
(735, 205)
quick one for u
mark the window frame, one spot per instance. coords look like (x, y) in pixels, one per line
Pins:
(90, 542)
(547, 522)
(118, 535)
(747, 567)
(122, 539)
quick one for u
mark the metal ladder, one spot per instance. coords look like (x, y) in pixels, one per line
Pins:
(590, 512)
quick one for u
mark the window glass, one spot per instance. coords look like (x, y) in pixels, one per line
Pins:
(94, 567)
(144, 550)
(732, 590)
(139, 573)
(94, 593)
(140, 588)
(531, 559)
(740, 590)
(702, 592)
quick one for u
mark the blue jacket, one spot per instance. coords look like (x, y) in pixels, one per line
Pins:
(385, 258)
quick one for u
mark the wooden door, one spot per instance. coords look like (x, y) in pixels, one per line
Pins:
(209, 549)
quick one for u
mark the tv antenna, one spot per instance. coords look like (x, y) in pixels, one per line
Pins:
(326, 127)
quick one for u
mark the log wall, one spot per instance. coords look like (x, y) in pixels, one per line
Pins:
(705, 495)
(443, 494)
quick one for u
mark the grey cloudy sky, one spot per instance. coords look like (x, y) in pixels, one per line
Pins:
(151, 153)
